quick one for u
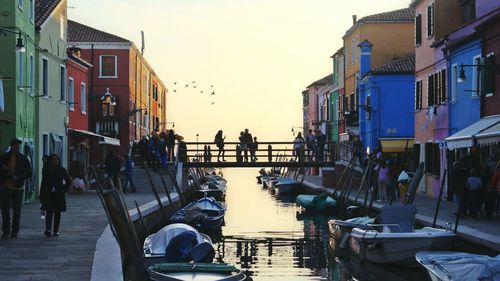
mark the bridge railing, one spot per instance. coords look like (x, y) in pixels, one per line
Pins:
(272, 154)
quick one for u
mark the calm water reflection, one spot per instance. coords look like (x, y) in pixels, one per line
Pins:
(265, 236)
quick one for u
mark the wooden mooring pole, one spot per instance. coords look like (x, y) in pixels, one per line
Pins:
(155, 192)
(439, 199)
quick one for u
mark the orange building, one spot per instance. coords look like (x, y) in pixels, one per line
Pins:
(391, 34)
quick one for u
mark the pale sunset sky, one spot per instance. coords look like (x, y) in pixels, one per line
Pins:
(259, 55)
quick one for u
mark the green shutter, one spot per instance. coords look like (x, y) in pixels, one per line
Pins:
(488, 76)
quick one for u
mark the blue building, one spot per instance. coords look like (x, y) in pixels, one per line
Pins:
(464, 94)
(386, 101)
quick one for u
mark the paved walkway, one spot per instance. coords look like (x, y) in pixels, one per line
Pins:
(70, 256)
(481, 231)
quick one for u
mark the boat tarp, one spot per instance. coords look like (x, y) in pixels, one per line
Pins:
(158, 242)
(402, 215)
(464, 266)
(317, 202)
(179, 247)
(361, 220)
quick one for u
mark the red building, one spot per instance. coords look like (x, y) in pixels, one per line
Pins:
(127, 98)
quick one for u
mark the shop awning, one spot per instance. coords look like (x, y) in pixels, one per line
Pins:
(466, 137)
(109, 141)
(102, 139)
(396, 145)
(489, 136)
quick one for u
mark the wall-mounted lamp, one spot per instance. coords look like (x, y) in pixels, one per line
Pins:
(295, 127)
(19, 43)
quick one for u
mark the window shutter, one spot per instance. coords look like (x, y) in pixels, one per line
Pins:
(436, 163)
(430, 91)
(443, 86)
(428, 157)
(430, 20)
(488, 74)
(418, 29)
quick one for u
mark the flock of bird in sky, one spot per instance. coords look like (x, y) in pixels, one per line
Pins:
(193, 85)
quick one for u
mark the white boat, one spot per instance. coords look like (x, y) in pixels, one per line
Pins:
(155, 245)
(458, 266)
(396, 241)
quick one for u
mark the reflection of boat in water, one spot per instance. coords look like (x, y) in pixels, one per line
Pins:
(195, 272)
(457, 266)
(396, 241)
(205, 214)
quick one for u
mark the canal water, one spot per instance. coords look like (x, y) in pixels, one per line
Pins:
(270, 239)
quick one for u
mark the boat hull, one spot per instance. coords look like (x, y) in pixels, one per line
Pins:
(195, 272)
(398, 248)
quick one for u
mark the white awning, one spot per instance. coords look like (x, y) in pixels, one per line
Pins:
(489, 136)
(466, 137)
(109, 141)
(102, 139)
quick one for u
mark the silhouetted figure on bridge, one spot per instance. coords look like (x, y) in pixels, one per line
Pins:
(310, 144)
(320, 145)
(253, 149)
(298, 147)
(239, 159)
(246, 142)
(270, 153)
(170, 140)
(219, 141)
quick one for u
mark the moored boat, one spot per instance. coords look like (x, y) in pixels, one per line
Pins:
(204, 214)
(320, 202)
(288, 186)
(395, 241)
(175, 243)
(458, 266)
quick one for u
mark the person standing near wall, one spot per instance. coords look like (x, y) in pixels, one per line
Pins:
(15, 168)
(55, 183)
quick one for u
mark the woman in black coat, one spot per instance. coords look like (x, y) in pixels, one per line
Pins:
(55, 183)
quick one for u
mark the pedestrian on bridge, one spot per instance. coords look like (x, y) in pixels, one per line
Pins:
(246, 142)
(298, 147)
(219, 141)
(55, 183)
(253, 149)
(170, 139)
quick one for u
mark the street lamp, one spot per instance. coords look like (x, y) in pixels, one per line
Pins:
(19, 43)
(197, 136)
(295, 127)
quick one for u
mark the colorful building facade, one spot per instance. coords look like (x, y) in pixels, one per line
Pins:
(128, 98)
(51, 104)
(335, 94)
(388, 46)
(17, 79)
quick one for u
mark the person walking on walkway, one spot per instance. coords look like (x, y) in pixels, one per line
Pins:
(383, 177)
(458, 179)
(219, 141)
(55, 183)
(474, 188)
(15, 168)
(112, 167)
(129, 166)
(492, 192)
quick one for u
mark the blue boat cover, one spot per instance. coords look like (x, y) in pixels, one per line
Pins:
(179, 247)
(399, 214)
(464, 266)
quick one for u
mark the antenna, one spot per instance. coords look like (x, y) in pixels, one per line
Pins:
(143, 46)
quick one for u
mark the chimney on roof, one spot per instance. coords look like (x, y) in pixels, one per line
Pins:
(143, 44)
(354, 19)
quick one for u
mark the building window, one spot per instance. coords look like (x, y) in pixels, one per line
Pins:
(476, 75)
(71, 97)
(430, 20)
(62, 76)
(32, 74)
(418, 30)
(108, 67)
(62, 27)
(32, 10)
(418, 95)
(45, 77)
(453, 81)
(83, 94)
(469, 8)
(488, 76)
(45, 144)
(20, 5)
(20, 70)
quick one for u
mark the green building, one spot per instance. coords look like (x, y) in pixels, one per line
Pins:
(18, 77)
(336, 91)
(52, 105)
